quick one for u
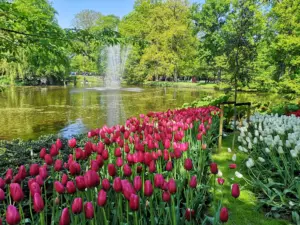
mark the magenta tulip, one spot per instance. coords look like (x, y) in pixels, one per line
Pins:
(12, 215)
(77, 206)
(65, 217)
(101, 198)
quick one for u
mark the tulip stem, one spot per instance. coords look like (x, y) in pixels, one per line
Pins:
(127, 213)
(30, 207)
(45, 190)
(135, 218)
(151, 211)
(120, 208)
(173, 211)
(42, 218)
(104, 216)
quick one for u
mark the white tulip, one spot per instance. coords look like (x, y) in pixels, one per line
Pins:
(238, 175)
(234, 157)
(250, 163)
(280, 150)
(294, 153)
(261, 159)
(229, 150)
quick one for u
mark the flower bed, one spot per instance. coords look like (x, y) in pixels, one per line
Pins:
(272, 144)
(151, 170)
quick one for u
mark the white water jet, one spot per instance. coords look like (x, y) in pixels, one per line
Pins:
(116, 57)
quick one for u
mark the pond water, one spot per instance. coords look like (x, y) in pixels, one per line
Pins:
(28, 112)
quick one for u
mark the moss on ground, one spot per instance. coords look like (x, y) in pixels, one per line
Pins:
(244, 210)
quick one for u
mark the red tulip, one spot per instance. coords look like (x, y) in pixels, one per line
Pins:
(169, 166)
(119, 161)
(59, 187)
(9, 176)
(189, 214)
(224, 215)
(77, 206)
(58, 165)
(118, 152)
(235, 190)
(117, 185)
(91, 179)
(34, 169)
(166, 197)
(167, 144)
(78, 154)
(80, 184)
(43, 172)
(152, 167)
(193, 182)
(166, 155)
(38, 203)
(214, 168)
(127, 170)
(12, 215)
(71, 189)
(48, 159)
(72, 143)
(64, 179)
(22, 172)
(188, 164)
(220, 180)
(127, 189)
(39, 180)
(2, 195)
(43, 152)
(100, 160)
(94, 165)
(101, 198)
(158, 180)
(53, 150)
(148, 188)
(111, 169)
(137, 183)
(2, 183)
(65, 217)
(105, 184)
(34, 187)
(172, 186)
(134, 202)
(232, 166)
(58, 144)
(89, 210)
(16, 192)
(105, 154)
(74, 168)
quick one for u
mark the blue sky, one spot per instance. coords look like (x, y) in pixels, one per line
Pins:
(68, 8)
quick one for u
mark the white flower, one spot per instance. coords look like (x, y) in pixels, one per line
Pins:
(238, 175)
(220, 174)
(267, 150)
(261, 138)
(280, 150)
(250, 145)
(261, 159)
(287, 143)
(250, 163)
(255, 140)
(229, 149)
(245, 150)
(291, 203)
(240, 148)
(234, 157)
(294, 153)
(256, 133)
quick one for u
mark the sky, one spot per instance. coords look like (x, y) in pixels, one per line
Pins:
(68, 8)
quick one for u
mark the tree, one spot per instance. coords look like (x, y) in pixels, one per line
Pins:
(86, 19)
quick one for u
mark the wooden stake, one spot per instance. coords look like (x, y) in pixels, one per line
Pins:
(221, 127)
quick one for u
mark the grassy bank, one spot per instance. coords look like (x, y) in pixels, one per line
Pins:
(89, 79)
(243, 210)
(178, 84)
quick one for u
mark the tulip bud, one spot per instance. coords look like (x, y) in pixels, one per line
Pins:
(48, 159)
(188, 164)
(2, 183)
(214, 168)
(134, 202)
(158, 180)
(34, 187)
(58, 165)
(148, 189)
(16, 192)
(193, 182)
(39, 180)
(43, 172)
(94, 165)
(34, 170)
(137, 183)
(12, 215)
(80, 184)
(58, 144)
(71, 189)
(166, 197)
(204, 146)
(72, 143)
(9, 176)
(105, 184)
(77, 206)
(43, 152)
(101, 198)
(224, 215)
(117, 185)
(232, 166)
(59, 187)
(64, 179)
(65, 217)
(91, 179)
(74, 168)
(111, 169)
(127, 170)
(119, 161)
(22, 172)
(189, 214)
(53, 150)
(172, 186)
(220, 180)
(105, 154)
(152, 167)
(38, 203)
(235, 190)
(2, 195)
(139, 169)
(169, 166)
(89, 210)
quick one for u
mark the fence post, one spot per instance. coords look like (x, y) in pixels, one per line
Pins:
(221, 127)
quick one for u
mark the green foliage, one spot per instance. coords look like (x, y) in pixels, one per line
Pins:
(206, 101)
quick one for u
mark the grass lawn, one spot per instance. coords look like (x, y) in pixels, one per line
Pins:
(242, 211)
(179, 84)
(90, 79)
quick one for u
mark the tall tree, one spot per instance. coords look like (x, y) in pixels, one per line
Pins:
(86, 19)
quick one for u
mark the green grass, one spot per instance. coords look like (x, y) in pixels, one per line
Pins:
(179, 84)
(90, 79)
(244, 210)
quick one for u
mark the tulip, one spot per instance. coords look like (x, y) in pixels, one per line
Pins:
(134, 202)
(89, 210)
(139, 169)
(80, 184)
(12, 215)
(152, 167)
(59, 187)
(167, 144)
(111, 169)
(94, 165)
(2, 195)
(43, 152)
(188, 164)
(127, 189)
(58, 144)
(105, 154)
(74, 168)
(189, 214)
(2, 183)
(38, 203)
(39, 180)
(220, 180)
(148, 188)
(16, 192)
(34, 187)
(105, 184)
(43, 172)
(64, 179)
(58, 165)
(235, 190)
(9, 176)
(119, 161)
(53, 150)
(34, 169)
(101, 198)
(65, 217)
(232, 166)
(166, 197)
(22, 172)
(169, 166)
(71, 189)
(72, 143)
(48, 159)
(137, 183)
(158, 180)
(127, 170)
(77, 206)
(214, 168)
(224, 215)
(117, 184)
(91, 179)
(100, 160)
(172, 186)
(193, 182)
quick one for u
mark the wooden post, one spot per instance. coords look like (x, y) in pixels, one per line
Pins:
(248, 114)
(221, 127)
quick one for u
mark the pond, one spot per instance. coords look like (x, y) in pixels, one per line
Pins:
(28, 112)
